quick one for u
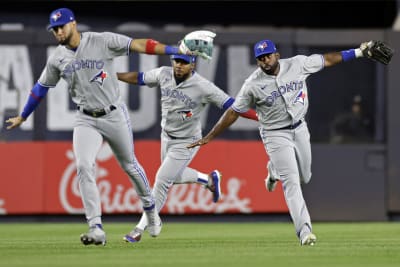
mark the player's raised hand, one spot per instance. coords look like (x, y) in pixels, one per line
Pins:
(14, 122)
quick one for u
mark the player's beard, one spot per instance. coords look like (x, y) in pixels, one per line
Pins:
(66, 40)
(272, 70)
(181, 78)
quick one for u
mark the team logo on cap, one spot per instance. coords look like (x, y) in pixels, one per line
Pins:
(99, 77)
(300, 97)
(262, 46)
(56, 16)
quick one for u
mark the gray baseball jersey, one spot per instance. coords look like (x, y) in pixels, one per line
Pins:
(181, 104)
(92, 83)
(89, 71)
(281, 100)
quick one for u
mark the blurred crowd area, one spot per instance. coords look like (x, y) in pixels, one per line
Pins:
(109, 15)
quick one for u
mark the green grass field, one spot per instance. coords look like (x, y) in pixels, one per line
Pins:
(203, 244)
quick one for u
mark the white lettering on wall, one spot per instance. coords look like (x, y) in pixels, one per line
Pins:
(2, 208)
(16, 72)
(116, 197)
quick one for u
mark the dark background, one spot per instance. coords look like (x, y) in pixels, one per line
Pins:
(301, 14)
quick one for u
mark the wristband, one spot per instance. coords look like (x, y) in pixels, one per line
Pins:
(171, 50)
(141, 78)
(348, 54)
(151, 46)
(351, 54)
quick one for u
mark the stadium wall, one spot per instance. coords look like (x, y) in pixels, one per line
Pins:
(350, 182)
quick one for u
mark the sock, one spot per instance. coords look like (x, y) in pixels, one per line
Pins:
(143, 222)
(202, 178)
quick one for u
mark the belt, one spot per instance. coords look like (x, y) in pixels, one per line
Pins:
(173, 137)
(290, 127)
(97, 112)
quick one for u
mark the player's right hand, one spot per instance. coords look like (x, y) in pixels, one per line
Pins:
(200, 142)
(14, 122)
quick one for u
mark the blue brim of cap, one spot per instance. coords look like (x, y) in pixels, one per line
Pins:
(51, 26)
(185, 58)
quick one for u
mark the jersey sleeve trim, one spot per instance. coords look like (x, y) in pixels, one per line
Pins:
(46, 85)
(323, 62)
(129, 47)
(228, 103)
(238, 110)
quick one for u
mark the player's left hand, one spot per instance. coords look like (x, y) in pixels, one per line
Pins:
(198, 43)
(378, 51)
(200, 142)
(15, 122)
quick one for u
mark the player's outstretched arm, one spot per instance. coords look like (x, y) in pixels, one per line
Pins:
(152, 47)
(38, 92)
(128, 77)
(197, 43)
(375, 50)
(229, 117)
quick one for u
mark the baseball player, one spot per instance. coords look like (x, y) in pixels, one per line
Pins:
(85, 62)
(279, 91)
(184, 94)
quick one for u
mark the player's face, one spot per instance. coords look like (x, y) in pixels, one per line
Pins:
(182, 69)
(269, 63)
(63, 33)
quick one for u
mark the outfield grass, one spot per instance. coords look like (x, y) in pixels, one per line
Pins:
(203, 244)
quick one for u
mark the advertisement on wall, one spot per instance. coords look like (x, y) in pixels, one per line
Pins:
(40, 178)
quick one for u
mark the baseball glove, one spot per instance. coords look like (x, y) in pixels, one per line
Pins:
(198, 43)
(378, 51)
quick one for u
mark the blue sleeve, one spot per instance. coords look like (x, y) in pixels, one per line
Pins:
(228, 103)
(38, 92)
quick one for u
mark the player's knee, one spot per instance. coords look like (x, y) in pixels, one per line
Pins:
(290, 185)
(85, 170)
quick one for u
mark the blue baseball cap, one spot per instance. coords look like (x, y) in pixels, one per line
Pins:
(188, 59)
(60, 17)
(264, 47)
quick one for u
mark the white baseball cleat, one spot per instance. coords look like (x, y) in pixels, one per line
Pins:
(309, 240)
(270, 181)
(154, 226)
(96, 236)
